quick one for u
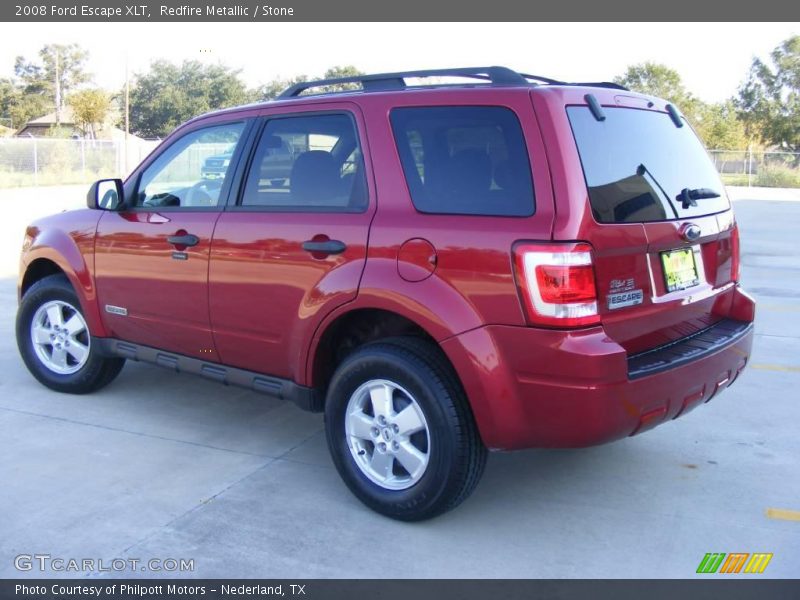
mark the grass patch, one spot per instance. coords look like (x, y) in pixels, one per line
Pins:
(739, 179)
(11, 179)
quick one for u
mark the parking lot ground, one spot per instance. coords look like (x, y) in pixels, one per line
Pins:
(160, 465)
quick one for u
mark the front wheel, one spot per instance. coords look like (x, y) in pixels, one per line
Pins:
(55, 343)
(400, 430)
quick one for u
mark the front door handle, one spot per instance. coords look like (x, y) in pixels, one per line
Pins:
(187, 239)
(324, 247)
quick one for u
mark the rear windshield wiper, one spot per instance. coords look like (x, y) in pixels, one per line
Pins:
(688, 197)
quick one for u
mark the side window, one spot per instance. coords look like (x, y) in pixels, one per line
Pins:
(190, 172)
(307, 163)
(468, 160)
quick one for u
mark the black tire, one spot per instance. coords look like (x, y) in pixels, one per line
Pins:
(98, 370)
(457, 455)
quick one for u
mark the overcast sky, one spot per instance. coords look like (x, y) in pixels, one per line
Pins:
(713, 59)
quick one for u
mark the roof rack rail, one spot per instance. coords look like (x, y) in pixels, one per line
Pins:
(396, 81)
(542, 79)
(601, 84)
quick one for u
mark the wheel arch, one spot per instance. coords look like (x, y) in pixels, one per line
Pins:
(37, 270)
(351, 327)
(53, 253)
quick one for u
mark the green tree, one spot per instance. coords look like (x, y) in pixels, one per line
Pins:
(8, 93)
(39, 77)
(717, 124)
(769, 100)
(21, 107)
(340, 72)
(655, 79)
(719, 127)
(272, 90)
(169, 94)
(90, 109)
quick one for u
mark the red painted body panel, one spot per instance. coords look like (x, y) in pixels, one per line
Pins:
(267, 294)
(250, 297)
(67, 239)
(555, 389)
(166, 299)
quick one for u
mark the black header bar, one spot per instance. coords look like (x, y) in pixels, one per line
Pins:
(405, 10)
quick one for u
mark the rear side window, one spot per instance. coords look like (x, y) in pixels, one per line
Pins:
(307, 163)
(467, 160)
(637, 164)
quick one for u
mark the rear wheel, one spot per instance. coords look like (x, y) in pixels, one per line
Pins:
(55, 343)
(400, 430)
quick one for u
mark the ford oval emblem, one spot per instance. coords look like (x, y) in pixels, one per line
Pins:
(690, 232)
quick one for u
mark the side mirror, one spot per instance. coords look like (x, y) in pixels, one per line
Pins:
(106, 194)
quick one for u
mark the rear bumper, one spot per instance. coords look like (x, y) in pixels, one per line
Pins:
(565, 389)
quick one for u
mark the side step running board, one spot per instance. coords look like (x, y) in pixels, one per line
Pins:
(304, 397)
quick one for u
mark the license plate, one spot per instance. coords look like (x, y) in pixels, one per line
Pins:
(680, 269)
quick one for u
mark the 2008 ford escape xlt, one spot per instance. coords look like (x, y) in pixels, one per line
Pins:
(501, 262)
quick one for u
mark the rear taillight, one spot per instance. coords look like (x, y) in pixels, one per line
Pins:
(735, 253)
(556, 282)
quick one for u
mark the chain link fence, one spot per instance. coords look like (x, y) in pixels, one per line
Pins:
(758, 169)
(31, 162)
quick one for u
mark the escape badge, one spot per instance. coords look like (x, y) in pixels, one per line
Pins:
(622, 294)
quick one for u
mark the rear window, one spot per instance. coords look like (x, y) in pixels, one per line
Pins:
(637, 164)
(468, 160)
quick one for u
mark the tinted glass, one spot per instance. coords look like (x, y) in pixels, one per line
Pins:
(468, 160)
(637, 162)
(308, 163)
(190, 172)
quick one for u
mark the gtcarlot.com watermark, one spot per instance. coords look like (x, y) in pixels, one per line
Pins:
(47, 562)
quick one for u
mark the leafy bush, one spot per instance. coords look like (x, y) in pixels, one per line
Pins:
(777, 176)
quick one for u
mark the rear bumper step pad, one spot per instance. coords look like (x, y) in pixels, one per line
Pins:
(688, 349)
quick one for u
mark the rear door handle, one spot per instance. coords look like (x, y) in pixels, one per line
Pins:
(325, 247)
(187, 239)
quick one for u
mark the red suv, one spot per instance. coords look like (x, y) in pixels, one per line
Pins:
(499, 263)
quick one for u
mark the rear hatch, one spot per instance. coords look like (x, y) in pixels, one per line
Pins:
(663, 235)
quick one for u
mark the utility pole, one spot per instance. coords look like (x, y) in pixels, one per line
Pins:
(58, 94)
(127, 112)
